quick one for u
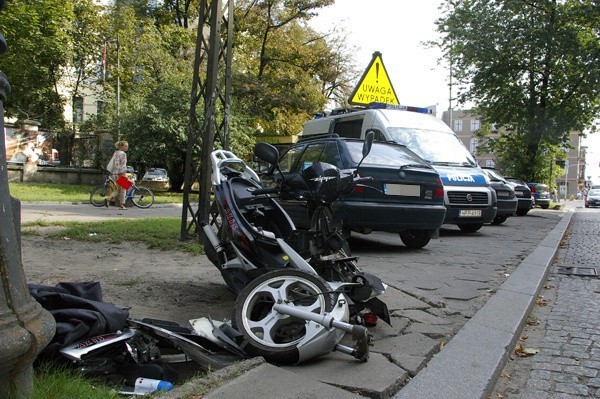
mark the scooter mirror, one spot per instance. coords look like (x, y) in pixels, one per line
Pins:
(366, 148)
(368, 143)
(266, 152)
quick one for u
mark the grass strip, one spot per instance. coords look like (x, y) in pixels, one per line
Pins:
(51, 192)
(156, 233)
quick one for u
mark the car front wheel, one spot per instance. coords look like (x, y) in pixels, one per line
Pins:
(415, 238)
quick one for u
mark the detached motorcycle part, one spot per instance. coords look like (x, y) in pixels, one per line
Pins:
(359, 333)
(274, 335)
(200, 355)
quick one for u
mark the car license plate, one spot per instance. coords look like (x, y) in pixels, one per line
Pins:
(408, 190)
(469, 213)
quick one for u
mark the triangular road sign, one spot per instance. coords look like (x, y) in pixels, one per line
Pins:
(375, 85)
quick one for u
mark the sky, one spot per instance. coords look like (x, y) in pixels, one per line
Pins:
(397, 29)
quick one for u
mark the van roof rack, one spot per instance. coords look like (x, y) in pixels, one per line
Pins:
(375, 105)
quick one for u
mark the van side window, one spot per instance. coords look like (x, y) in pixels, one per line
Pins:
(348, 128)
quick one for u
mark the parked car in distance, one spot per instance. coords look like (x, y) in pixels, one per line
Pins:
(541, 193)
(155, 174)
(406, 195)
(505, 194)
(523, 193)
(592, 198)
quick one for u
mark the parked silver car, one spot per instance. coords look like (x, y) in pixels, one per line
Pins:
(156, 174)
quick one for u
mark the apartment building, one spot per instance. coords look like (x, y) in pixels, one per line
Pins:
(465, 123)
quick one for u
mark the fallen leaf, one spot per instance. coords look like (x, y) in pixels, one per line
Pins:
(533, 323)
(505, 375)
(524, 352)
(524, 337)
(548, 286)
(442, 344)
(541, 301)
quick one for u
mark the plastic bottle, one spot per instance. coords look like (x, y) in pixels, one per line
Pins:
(148, 385)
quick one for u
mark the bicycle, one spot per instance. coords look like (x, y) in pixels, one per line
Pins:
(141, 196)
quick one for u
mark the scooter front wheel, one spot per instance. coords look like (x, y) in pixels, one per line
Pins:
(268, 333)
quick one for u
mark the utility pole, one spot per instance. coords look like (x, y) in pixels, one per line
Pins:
(214, 50)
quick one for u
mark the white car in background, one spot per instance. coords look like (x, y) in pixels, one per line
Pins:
(156, 174)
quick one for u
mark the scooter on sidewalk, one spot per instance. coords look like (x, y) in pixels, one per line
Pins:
(297, 289)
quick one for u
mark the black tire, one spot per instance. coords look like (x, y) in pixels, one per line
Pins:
(143, 197)
(254, 311)
(415, 239)
(522, 212)
(499, 219)
(322, 221)
(544, 206)
(470, 227)
(99, 193)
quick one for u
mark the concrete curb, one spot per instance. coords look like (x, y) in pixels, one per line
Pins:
(471, 362)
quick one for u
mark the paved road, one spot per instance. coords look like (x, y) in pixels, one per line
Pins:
(568, 365)
(432, 292)
(81, 212)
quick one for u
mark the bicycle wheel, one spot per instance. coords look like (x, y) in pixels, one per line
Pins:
(142, 197)
(98, 194)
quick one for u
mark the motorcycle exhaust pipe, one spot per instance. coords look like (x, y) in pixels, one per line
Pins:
(212, 237)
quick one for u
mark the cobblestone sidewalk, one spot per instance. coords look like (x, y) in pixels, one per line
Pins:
(568, 364)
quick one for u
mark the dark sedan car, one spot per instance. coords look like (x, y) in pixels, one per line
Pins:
(406, 195)
(507, 200)
(523, 193)
(592, 198)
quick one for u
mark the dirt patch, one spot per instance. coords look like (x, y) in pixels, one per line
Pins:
(168, 285)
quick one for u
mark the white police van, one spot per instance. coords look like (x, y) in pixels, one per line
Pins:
(469, 199)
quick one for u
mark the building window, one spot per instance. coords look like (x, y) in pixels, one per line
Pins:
(458, 125)
(474, 125)
(77, 109)
(100, 108)
(473, 146)
(490, 163)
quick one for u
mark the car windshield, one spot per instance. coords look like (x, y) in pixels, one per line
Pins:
(540, 187)
(435, 146)
(156, 172)
(594, 192)
(514, 180)
(494, 175)
(384, 154)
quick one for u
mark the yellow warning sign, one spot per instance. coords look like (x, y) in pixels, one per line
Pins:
(374, 85)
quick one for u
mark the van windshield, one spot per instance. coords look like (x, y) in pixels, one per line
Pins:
(435, 146)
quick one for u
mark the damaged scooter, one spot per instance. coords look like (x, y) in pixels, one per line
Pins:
(297, 290)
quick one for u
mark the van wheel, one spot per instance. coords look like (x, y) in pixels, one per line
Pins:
(415, 238)
(499, 220)
(469, 228)
(545, 206)
(522, 212)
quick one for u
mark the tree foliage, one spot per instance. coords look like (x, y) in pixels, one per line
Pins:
(282, 70)
(530, 67)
